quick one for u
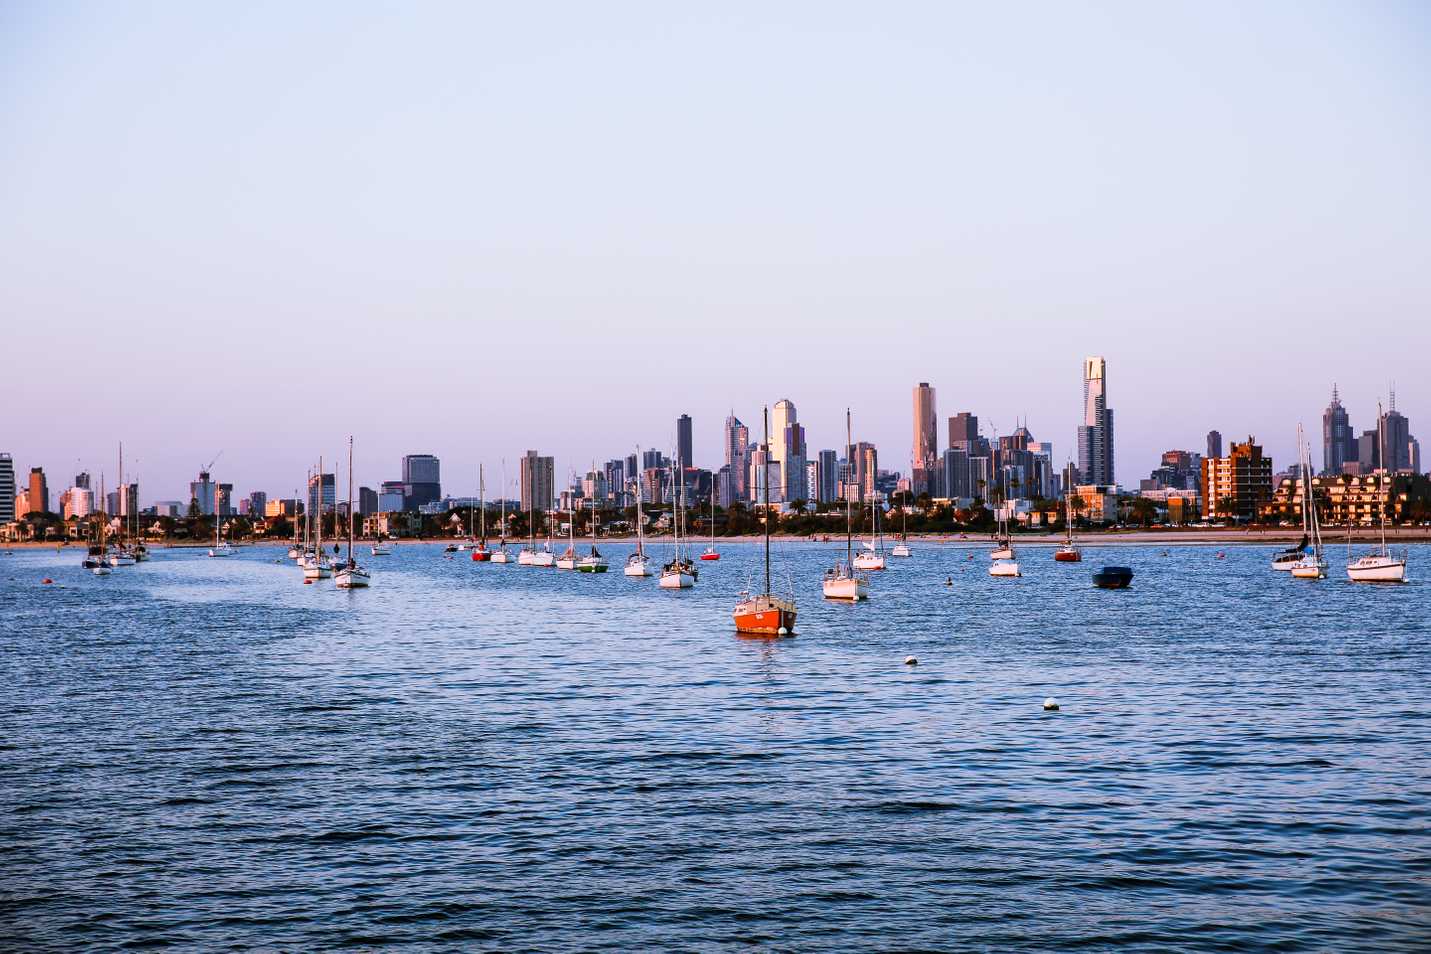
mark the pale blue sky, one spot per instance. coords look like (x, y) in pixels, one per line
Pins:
(644, 209)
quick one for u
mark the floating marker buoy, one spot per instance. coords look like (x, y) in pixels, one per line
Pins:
(307, 582)
(1050, 704)
(782, 631)
(949, 581)
(47, 580)
(911, 661)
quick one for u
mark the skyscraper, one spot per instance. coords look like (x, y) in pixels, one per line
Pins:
(1095, 435)
(926, 441)
(787, 440)
(39, 491)
(1338, 440)
(964, 427)
(202, 492)
(7, 489)
(322, 493)
(1395, 439)
(538, 481)
(422, 480)
(827, 477)
(737, 457)
(685, 447)
(1214, 445)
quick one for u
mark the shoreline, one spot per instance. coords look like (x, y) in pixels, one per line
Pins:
(1167, 537)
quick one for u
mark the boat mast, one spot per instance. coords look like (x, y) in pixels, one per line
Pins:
(640, 536)
(350, 500)
(482, 502)
(765, 471)
(318, 523)
(849, 505)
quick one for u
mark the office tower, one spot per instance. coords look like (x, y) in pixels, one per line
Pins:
(685, 447)
(1095, 435)
(538, 481)
(812, 481)
(654, 460)
(1235, 486)
(202, 491)
(390, 497)
(39, 492)
(862, 466)
(76, 502)
(653, 485)
(594, 486)
(367, 501)
(7, 489)
(761, 461)
(1214, 444)
(322, 493)
(955, 478)
(257, 503)
(737, 456)
(1338, 440)
(111, 503)
(127, 500)
(964, 428)
(82, 480)
(1368, 451)
(827, 471)
(1414, 453)
(787, 439)
(926, 441)
(422, 480)
(1395, 450)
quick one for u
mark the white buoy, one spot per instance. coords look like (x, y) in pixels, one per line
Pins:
(782, 631)
(911, 661)
(1050, 704)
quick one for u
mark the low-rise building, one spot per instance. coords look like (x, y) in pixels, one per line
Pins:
(1352, 499)
(1096, 503)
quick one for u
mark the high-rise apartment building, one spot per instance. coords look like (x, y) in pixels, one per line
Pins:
(737, 457)
(322, 493)
(538, 481)
(1339, 444)
(7, 489)
(926, 441)
(1095, 435)
(1236, 486)
(685, 445)
(421, 479)
(39, 492)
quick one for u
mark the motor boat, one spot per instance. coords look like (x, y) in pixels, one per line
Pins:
(1113, 578)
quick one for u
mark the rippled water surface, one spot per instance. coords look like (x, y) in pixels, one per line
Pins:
(209, 754)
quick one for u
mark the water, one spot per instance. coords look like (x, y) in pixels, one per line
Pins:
(209, 754)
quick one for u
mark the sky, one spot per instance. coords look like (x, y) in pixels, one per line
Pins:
(471, 229)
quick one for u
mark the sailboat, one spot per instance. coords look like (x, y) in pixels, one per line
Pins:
(680, 573)
(530, 555)
(121, 555)
(500, 555)
(843, 581)
(1312, 566)
(871, 555)
(901, 549)
(221, 547)
(350, 576)
(295, 552)
(638, 563)
(1382, 566)
(97, 560)
(765, 614)
(1069, 552)
(567, 560)
(480, 553)
(316, 565)
(711, 552)
(1003, 556)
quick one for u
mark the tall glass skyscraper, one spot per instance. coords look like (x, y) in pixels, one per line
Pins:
(7, 489)
(737, 457)
(685, 446)
(1095, 435)
(923, 477)
(422, 480)
(1339, 445)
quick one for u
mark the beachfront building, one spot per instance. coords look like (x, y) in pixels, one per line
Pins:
(1237, 486)
(1353, 499)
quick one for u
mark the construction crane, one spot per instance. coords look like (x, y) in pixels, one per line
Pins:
(210, 465)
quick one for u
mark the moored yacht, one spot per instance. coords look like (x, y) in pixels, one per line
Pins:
(844, 581)
(765, 614)
(349, 575)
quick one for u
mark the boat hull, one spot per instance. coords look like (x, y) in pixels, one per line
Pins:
(1113, 578)
(710, 556)
(1310, 570)
(1005, 568)
(481, 556)
(676, 580)
(900, 550)
(765, 616)
(846, 588)
(1002, 553)
(500, 556)
(591, 567)
(638, 568)
(1068, 556)
(352, 578)
(1377, 570)
(869, 562)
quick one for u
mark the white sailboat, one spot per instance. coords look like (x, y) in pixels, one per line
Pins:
(1312, 566)
(500, 555)
(295, 552)
(316, 565)
(844, 581)
(530, 555)
(593, 562)
(901, 549)
(1382, 566)
(638, 563)
(567, 560)
(680, 573)
(1004, 562)
(221, 547)
(350, 575)
(871, 555)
